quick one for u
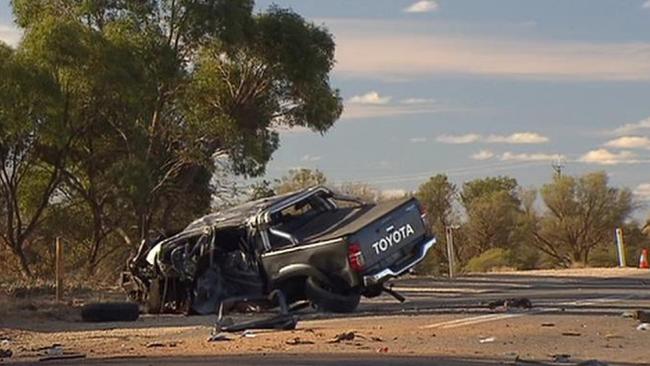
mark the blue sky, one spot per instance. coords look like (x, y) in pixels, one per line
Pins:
(475, 88)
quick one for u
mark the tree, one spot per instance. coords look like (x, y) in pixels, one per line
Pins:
(298, 179)
(162, 89)
(493, 208)
(581, 214)
(33, 133)
(437, 197)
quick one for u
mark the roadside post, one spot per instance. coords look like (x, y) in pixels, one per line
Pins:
(58, 275)
(620, 245)
(449, 232)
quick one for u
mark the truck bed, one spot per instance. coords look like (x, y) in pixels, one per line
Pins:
(344, 221)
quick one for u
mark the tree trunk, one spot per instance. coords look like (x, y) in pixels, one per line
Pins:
(24, 263)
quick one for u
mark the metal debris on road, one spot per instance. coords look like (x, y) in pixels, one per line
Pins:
(297, 341)
(519, 302)
(249, 333)
(571, 334)
(561, 358)
(219, 337)
(643, 326)
(6, 353)
(487, 340)
(345, 336)
(382, 350)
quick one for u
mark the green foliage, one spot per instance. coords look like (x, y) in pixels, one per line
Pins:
(582, 215)
(298, 179)
(128, 104)
(489, 260)
(493, 212)
(478, 188)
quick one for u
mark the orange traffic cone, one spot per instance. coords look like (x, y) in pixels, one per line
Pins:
(643, 260)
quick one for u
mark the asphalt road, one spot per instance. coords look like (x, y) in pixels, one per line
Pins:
(549, 294)
(465, 298)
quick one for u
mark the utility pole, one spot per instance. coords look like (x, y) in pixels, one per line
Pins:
(449, 233)
(58, 275)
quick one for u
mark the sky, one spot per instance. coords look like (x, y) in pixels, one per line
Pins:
(476, 88)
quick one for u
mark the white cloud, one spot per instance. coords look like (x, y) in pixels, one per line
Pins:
(630, 142)
(371, 97)
(417, 140)
(418, 101)
(310, 158)
(518, 138)
(375, 105)
(422, 6)
(642, 191)
(459, 139)
(509, 156)
(401, 50)
(483, 155)
(633, 127)
(606, 157)
(646, 5)
(10, 34)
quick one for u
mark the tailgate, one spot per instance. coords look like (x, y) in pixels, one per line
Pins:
(390, 237)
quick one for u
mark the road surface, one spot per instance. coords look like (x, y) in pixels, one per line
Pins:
(443, 322)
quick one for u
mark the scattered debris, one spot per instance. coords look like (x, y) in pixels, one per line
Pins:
(219, 337)
(571, 334)
(54, 350)
(561, 358)
(160, 344)
(629, 314)
(376, 339)
(642, 316)
(613, 336)
(284, 320)
(6, 353)
(249, 333)
(520, 302)
(548, 324)
(345, 336)
(643, 326)
(382, 350)
(297, 341)
(487, 340)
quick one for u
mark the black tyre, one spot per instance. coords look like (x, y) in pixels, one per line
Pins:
(330, 300)
(153, 303)
(110, 312)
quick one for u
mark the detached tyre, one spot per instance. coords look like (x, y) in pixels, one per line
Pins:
(331, 300)
(110, 312)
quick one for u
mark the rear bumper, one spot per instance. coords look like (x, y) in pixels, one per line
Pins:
(385, 274)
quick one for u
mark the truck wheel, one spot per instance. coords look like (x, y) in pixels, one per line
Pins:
(153, 303)
(110, 312)
(328, 300)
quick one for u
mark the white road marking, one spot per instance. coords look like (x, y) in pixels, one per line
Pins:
(495, 317)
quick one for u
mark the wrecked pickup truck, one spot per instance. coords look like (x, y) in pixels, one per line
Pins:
(312, 245)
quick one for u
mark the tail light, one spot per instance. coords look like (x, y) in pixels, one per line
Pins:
(355, 257)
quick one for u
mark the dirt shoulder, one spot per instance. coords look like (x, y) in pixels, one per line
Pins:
(579, 272)
(526, 335)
